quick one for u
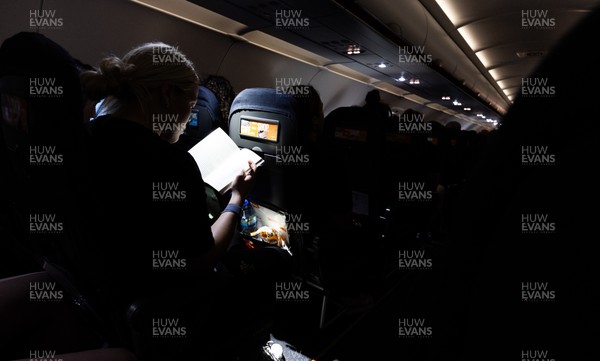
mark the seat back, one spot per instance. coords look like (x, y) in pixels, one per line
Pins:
(205, 117)
(36, 313)
(346, 136)
(266, 121)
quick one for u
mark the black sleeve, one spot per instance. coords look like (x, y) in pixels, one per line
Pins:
(179, 197)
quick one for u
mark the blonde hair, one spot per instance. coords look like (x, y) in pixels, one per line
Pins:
(121, 82)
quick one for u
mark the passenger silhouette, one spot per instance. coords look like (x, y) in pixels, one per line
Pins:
(225, 94)
(521, 265)
(42, 184)
(377, 119)
(347, 257)
(150, 225)
(411, 163)
(89, 105)
(41, 146)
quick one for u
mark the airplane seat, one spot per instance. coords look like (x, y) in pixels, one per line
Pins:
(130, 318)
(205, 117)
(147, 341)
(37, 313)
(265, 121)
(345, 260)
(350, 139)
(377, 119)
(211, 319)
(412, 175)
(346, 136)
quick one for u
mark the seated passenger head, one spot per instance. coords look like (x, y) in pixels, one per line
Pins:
(373, 97)
(453, 125)
(154, 85)
(225, 94)
(310, 112)
(89, 105)
(411, 115)
(40, 91)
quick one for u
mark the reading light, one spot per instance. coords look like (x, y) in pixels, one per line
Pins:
(445, 98)
(467, 109)
(353, 50)
(456, 103)
(414, 81)
(381, 65)
(401, 78)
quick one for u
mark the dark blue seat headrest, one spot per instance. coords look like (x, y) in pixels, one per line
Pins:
(266, 100)
(208, 113)
(208, 100)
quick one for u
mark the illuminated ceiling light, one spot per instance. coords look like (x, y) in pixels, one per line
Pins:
(448, 10)
(414, 81)
(401, 78)
(456, 103)
(469, 37)
(381, 65)
(484, 59)
(503, 84)
(495, 74)
(445, 97)
(353, 50)
(451, 9)
(467, 109)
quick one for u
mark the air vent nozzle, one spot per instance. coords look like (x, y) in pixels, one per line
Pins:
(531, 53)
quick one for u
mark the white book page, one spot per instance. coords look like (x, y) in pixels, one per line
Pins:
(220, 160)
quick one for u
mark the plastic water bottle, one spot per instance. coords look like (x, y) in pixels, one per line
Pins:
(248, 221)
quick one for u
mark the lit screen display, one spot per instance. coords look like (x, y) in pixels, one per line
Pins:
(259, 129)
(193, 119)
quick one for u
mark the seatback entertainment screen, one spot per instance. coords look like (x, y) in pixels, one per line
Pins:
(262, 129)
(193, 119)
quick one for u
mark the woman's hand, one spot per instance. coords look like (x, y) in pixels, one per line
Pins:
(243, 182)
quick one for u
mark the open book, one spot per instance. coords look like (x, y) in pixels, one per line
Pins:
(220, 160)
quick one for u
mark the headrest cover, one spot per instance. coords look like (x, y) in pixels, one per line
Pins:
(208, 100)
(36, 68)
(29, 55)
(265, 99)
